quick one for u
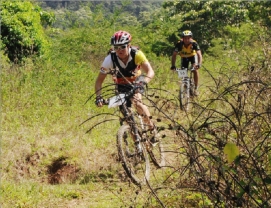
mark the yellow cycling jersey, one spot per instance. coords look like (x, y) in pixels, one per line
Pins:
(189, 51)
(140, 58)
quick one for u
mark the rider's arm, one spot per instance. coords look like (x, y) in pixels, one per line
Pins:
(98, 84)
(147, 68)
(199, 57)
(107, 64)
(197, 48)
(177, 49)
(140, 59)
(173, 58)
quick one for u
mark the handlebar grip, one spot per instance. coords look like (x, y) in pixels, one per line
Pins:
(105, 101)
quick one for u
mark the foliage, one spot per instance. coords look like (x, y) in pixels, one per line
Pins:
(47, 18)
(261, 12)
(43, 105)
(232, 152)
(74, 14)
(21, 30)
(208, 19)
(239, 130)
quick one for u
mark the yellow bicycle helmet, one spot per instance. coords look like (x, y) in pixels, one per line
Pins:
(187, 33)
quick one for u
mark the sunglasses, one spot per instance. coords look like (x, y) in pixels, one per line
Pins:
(122, 47)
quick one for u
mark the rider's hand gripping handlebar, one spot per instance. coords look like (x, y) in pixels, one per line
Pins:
(100, 101)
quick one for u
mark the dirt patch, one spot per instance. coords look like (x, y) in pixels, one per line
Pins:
(24, 167)
(62, 172)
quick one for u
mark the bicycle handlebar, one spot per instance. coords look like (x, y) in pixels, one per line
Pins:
(191, 69)
(105, 101)
(127, 94)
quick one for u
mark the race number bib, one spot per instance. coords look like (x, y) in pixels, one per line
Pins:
(116, 101)
(182, 73)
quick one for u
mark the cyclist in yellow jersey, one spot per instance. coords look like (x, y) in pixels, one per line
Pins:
(131, 63)
(189, 51)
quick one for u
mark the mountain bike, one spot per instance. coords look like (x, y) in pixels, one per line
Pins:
(187, 87)
(134, 141)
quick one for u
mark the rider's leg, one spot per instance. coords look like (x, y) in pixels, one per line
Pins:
(196, 81)
(196, 72)
(194, 62)
(145, 113)
(196, 78)
(142, 110)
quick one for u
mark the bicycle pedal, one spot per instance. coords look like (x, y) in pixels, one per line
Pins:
(154, 142)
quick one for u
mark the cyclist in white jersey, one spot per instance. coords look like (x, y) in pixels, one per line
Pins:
(131, 63)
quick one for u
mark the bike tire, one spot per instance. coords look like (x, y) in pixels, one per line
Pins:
(157, 154)
(136, 165)
(184, 98)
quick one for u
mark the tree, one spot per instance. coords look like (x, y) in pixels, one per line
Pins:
(261, 11)
(21, 30)
(206, 19)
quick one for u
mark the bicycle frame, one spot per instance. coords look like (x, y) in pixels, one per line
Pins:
(130, 119)
(121, 100)
(186, 87)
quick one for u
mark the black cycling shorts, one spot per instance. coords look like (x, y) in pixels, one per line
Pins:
(186, 60)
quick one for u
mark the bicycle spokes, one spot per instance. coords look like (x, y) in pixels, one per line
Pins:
(135, 163)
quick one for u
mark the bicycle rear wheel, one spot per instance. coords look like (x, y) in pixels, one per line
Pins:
(184, 98)
(135, 164)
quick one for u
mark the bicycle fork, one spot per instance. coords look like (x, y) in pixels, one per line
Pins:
(134, 130)
(136, 136)
(186, 87)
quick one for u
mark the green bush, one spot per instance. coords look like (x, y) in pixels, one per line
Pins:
(21, 30)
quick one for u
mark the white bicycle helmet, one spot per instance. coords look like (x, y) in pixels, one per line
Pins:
(120, 38)
(187, 33)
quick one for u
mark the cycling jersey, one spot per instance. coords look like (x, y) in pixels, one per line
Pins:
(128, 72)
(189, 51)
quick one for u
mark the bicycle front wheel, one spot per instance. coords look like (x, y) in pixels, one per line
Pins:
(184, 97)
(136, 164)
(156, 152)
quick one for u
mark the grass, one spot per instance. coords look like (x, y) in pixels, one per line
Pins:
(43, 105)
(42, 110)
(31, 194)
(42, 124)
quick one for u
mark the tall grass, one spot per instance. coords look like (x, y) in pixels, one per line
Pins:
(43, 105)
(42, 109)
